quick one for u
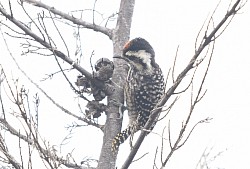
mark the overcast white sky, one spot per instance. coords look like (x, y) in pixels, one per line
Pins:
(165, 24)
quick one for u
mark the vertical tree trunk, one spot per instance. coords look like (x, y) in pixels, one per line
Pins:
(113, 124)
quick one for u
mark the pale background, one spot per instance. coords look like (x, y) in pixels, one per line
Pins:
(165, 24)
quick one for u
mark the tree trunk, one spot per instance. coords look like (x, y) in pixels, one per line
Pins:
(113, 124)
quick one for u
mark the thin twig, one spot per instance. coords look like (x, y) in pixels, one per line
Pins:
(154, 114)
(74, 20)
(175, 59)
(51, 99)
(156, 151)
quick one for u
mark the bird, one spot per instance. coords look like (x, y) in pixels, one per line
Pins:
(144, 87)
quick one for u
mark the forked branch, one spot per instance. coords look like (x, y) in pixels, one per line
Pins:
(207, 39)
(74, 20)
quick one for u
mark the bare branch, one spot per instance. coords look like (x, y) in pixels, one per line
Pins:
(162, 143)
(45, 44)
(178, 143)
(50, 76)
(175, 59)
(46, 153)
(50, 98)
(4, 150)
(169, 108)
(154, 166)
(57, 29)
(154, 114)
(13, 131)
(74, 20)
(206, 158)
(32, 20)
(140, 157)
(169, 136)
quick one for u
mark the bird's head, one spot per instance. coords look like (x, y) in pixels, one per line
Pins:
(140, 53)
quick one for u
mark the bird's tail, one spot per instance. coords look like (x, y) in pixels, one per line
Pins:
(122, 136)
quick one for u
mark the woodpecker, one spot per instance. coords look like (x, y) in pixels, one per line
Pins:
(144, 87)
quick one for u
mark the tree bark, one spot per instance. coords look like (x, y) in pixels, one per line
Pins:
(113, 124)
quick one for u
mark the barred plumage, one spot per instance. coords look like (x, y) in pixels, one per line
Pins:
(143, 89)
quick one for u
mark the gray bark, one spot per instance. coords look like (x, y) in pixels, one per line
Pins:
(113, 124)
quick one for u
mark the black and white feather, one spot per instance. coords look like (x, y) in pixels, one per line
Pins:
(143, 89)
